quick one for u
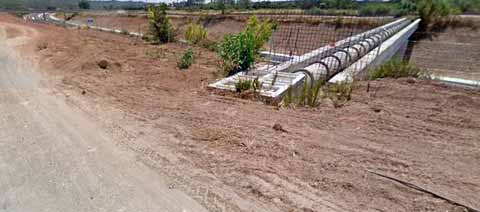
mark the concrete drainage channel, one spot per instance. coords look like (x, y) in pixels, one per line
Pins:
(334, 63)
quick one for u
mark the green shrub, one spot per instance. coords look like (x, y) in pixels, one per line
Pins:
(262, 31)
(239, 52)
(160, 27)
(84, 4)
(442, 14)
(400, 12)
(396, 68)
(433, 11)
(376, 10)
(187, 59)
(195, 33)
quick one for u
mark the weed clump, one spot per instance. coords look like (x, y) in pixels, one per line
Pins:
(160, 27)
(396, 68)
(340, 92)
(187, 59)
(311, 95)
(195, 33)
(155, 53)
(243, 85)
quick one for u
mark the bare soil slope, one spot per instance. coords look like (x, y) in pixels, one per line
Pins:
(294, 34)
(453, 52)
(419, 131)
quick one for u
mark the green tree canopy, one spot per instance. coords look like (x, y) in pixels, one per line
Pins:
(83, 4)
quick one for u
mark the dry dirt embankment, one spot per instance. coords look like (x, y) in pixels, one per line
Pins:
(224, 150)
(53, 157)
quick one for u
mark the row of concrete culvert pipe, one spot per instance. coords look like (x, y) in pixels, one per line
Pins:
(328, 63)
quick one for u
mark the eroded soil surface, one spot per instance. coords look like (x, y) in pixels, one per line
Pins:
(225, 152)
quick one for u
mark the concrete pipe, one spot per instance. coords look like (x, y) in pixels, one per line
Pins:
(350, 50)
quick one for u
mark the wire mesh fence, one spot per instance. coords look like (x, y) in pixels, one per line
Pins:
(325, 44)
(298, 34)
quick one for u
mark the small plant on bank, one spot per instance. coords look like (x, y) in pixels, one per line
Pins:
(41, 46)
(155, 53)
(69, 16)
(257, 85)
(339, 22)
(160, 27)
(397, 68)
(243, 85)
(310, 93)
(340, 92)
(187, 59)
(239, 52)
(195, 33)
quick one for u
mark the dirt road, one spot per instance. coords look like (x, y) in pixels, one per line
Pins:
(52, 158)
